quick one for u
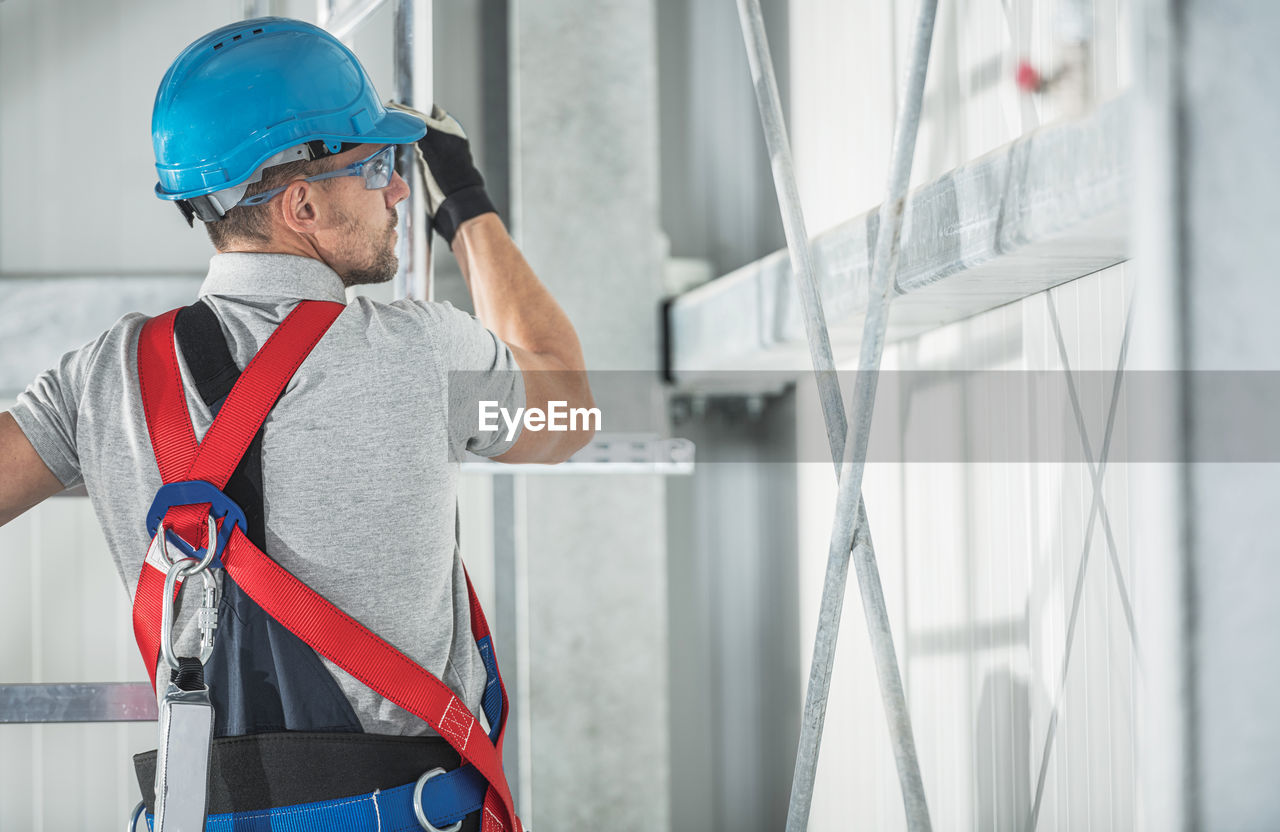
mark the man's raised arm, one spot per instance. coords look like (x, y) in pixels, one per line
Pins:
(511, 301)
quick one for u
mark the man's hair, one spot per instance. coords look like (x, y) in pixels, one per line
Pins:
(252, 223)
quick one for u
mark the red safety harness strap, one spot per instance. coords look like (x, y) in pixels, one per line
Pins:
(321, 625)
(215, 458)
(173, 440)
(363, 654)
(258, 388)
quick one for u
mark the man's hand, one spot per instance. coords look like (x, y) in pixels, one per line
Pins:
(455, 189)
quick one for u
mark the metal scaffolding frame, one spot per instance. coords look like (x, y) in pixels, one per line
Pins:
(848, 438)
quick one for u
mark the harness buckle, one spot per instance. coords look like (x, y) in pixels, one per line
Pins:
(195, 492)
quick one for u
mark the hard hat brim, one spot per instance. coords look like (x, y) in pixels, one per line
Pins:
(395, 127)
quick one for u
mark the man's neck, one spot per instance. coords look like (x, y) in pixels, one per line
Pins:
(271, 248)
(294, 244)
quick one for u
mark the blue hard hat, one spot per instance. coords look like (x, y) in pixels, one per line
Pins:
(245, 92)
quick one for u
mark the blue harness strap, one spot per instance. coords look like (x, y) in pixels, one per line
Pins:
(390, 810)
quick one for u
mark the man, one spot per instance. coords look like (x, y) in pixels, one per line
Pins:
(270, 132)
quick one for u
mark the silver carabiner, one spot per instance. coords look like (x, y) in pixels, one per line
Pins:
(207, 615)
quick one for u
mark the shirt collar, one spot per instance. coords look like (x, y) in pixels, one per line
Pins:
(272, 275)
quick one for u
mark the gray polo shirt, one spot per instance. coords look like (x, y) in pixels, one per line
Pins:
(358, 456)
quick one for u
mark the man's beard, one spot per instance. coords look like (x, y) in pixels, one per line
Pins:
(384, 265)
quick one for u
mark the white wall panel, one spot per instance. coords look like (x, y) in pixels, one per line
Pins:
(79, 80)
(846, 62)
(980, 562)
(64, 617)
(76, 165)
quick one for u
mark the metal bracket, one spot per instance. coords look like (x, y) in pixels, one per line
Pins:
(617, 453)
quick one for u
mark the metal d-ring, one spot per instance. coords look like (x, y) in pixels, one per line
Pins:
(417, 803)
(211, 546)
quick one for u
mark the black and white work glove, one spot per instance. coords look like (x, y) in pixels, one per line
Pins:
(455, 189)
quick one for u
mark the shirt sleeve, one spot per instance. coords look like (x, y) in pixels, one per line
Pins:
(484, 383)
(48, 411)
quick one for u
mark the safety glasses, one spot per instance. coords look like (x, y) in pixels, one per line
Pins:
(376, 170)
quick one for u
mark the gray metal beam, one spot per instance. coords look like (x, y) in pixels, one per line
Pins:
(100, 702)
(606, 453)
(1041, 211)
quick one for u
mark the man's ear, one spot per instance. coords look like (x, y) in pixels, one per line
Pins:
(298, 209)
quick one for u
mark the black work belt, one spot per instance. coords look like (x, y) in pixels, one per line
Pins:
(266, 771)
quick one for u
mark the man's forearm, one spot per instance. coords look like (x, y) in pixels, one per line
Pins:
(26, 479)
(508, 297)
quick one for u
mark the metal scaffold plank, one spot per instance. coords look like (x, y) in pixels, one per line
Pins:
(1043, 210)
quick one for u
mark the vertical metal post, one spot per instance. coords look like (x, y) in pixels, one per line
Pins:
(1169, 796)
(413, 87)
(495, 101)
(508, 624)
(852, 453)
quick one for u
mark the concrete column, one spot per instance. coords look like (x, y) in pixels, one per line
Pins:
(584, 207)
(1208, 249)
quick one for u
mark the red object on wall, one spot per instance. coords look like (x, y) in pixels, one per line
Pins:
(1029, 78)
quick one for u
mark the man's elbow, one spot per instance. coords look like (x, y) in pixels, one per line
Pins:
(582, 423)
(556, 430)
(574, 442)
